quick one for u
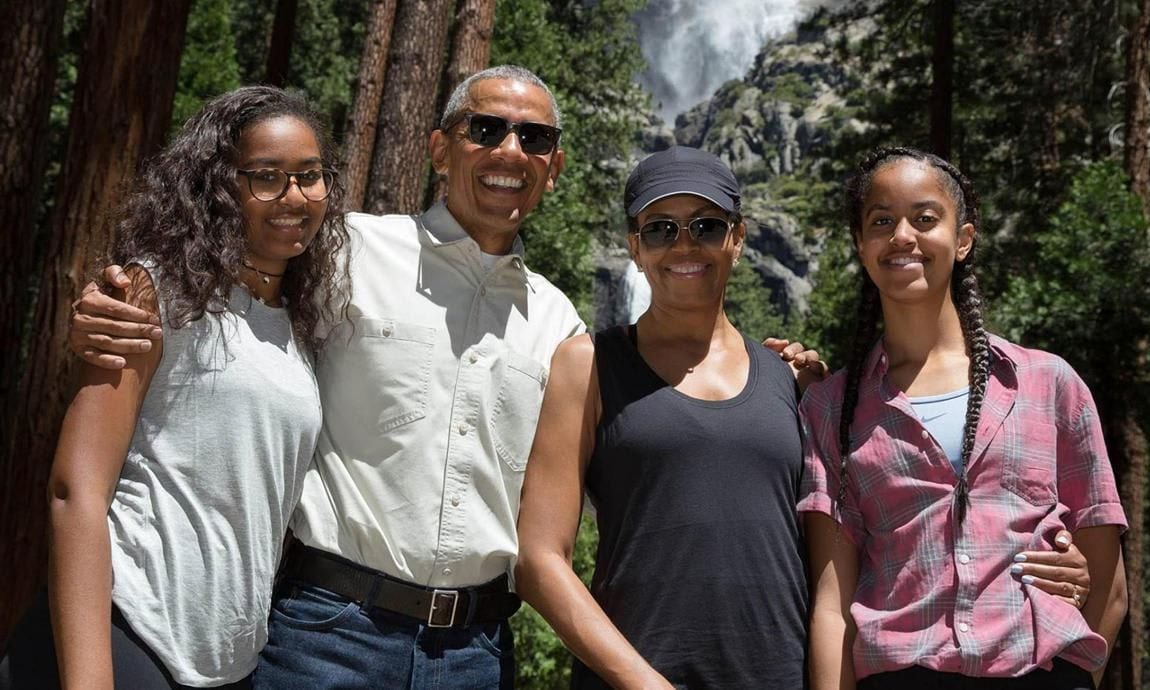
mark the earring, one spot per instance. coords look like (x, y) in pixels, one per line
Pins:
(639, 267)
(735, 262)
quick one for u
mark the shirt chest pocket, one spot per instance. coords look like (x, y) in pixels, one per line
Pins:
(1030, 461)
(398, 358)
(515, 411)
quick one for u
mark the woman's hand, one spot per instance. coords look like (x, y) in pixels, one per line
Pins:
(806, 364)
(1063, 572)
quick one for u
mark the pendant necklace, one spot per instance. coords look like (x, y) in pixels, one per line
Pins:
(265, 278)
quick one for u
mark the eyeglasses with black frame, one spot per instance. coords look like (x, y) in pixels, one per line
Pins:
(709, 231)
(489, 131)
(271, 184)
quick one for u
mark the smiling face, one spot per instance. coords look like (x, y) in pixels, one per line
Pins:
(491, 189)
(282, 229)
(686, 274)
(910, 238)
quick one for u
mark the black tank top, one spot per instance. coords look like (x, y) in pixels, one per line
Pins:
(699, 562)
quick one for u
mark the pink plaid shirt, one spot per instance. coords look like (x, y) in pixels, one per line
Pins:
(934, 594)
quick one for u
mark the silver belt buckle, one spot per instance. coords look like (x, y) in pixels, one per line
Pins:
(442, 611)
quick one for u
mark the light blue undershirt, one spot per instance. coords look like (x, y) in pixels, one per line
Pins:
(944, 416)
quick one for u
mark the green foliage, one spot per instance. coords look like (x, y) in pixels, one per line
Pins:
(1087, 296)
(829, 325)
(208, 64)
(749, 306)
(325, 54)
(588, 55)
(542, 662)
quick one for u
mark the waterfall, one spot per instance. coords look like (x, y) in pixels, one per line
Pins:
(693, 46)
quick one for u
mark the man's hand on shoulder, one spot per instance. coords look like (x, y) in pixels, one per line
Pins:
(103, 327)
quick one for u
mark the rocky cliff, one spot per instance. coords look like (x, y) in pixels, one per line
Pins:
(768, 126)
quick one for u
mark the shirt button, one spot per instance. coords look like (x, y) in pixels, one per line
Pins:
(462, 429)
(963, 558)
(447, 571)
(483, 291)
(473, 358)
(455, 500)
(925, 434)
(963, 627)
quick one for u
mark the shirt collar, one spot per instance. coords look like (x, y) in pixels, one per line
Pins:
(443, 229)
(877, 362)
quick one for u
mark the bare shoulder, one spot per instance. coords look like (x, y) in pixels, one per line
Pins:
(574, 355)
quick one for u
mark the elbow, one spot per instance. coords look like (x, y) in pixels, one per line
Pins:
(1119, 597)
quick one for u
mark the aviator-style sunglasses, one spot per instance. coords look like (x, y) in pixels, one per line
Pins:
(270, 184)
(489, 131)
(708, 231)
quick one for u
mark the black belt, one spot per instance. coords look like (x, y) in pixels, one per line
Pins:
(438, 608)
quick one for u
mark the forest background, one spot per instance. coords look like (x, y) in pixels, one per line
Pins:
(1043, 103)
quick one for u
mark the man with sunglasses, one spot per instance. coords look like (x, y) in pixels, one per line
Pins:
(398, 575)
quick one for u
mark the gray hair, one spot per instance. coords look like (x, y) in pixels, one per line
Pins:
(460, 101)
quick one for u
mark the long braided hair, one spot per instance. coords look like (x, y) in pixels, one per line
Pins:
(964, 291)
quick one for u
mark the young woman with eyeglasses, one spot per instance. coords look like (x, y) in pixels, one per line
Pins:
(939, 453)
(175, 476)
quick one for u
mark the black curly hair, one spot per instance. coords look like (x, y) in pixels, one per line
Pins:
(183, 214)
(964, 288)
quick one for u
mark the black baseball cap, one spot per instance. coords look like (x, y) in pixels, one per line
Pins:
(681, 170)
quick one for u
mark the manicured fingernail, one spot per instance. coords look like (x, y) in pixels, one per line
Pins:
(1063, 540)
(1027, 579)
(1016, 568)
(1020, 558)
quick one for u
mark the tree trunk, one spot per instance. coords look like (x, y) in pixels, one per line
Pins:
(31, 31)
(399, 164)
(121, 114)
(1137, 149)
(360, 141)
(279, 49)
(942, 79)
(1128, 447)
(470, 52)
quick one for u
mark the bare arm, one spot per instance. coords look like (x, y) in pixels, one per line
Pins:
(1105, 610)
(89, 456)
(549, 518)
(105, 328)
(834, 577)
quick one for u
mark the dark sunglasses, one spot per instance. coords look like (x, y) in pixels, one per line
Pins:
(489, 131)
(708, 231)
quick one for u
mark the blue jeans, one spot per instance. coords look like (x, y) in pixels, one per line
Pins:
(319, 640)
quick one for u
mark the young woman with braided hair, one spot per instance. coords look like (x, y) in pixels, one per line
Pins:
(939, 453)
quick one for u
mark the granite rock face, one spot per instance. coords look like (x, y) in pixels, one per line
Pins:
(765, 126)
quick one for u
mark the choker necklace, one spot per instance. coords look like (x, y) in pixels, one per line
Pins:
(265, 278)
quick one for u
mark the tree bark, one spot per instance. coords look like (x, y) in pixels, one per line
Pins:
(399, 165)
(1137, 148)
(31, 31)
(1133, 474)
(121, 114)
(360, 140)
(279, 49)
(470, 52)
(942, 79)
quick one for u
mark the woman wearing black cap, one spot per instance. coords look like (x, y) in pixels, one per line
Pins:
(683, 433)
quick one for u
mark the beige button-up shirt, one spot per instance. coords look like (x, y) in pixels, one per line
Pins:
(431, 390)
